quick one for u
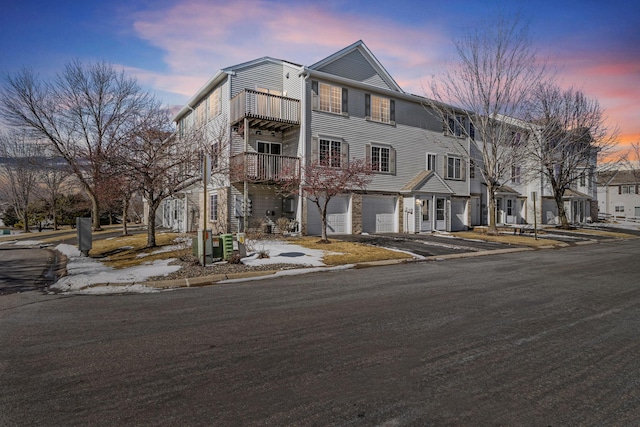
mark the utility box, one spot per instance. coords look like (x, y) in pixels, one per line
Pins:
(85, 238)
(226, 241)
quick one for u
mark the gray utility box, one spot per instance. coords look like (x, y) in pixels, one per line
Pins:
(85, 238)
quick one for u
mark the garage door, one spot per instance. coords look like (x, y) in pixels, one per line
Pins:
(378, 214)
(337, 217)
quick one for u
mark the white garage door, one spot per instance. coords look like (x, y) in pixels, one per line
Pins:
(378, 214)
(337, 217)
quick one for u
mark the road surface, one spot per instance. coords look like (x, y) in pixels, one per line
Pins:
(25, 268)
(535, 338)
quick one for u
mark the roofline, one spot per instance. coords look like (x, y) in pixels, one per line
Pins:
(219, 77)
(376, 64)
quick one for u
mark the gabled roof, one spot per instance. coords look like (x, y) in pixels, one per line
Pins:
(363, 50)
(507, 191)
(427, 181)
(573, 194)
(618, 177)
(220, 76)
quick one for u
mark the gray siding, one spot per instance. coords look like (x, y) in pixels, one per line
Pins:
(354, 66)
(292, 84)
(265, 74)
(411, 141)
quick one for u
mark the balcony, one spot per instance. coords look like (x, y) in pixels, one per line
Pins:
(265, 168)
(265, 111)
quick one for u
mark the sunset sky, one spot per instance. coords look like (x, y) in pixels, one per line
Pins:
(174, 47)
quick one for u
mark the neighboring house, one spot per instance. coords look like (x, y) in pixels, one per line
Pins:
(619, 194)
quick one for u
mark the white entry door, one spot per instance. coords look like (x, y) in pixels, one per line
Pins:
(441, 213)
(425, 224)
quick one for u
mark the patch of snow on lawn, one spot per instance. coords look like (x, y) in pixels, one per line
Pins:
(83, 272)
(285, 253)
(163, 249)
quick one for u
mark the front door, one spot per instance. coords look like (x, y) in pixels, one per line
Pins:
(441, 214)
(425, 223)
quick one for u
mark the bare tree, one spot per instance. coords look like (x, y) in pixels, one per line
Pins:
(85, 114)
(54, 179)
(487, 87)
(158, 161)
(19, 173)
(323, 179)
(568, 131)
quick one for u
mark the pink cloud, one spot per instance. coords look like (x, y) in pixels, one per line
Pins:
(199, 37)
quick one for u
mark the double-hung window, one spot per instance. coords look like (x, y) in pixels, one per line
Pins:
(454, 168)
(431, 162)
(329, 98)
(215, 103)
(515, 174)
(213, 209)
(382, 158)
(455, 126)
(330, 153)
(380, 109)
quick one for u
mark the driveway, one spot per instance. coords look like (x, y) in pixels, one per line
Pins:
(425, 244)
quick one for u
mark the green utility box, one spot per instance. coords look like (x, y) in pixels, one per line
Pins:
(226, 241)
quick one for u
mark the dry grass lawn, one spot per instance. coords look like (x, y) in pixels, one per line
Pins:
(340, 253)
(508, 239)
(129, 251)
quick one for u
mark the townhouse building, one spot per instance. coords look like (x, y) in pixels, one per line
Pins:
(267, 118)
(619, 194)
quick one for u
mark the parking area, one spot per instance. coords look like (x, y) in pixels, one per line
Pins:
(425, 244)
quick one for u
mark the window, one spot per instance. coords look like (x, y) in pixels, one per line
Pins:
(620, 208)
(381, 158)
(515, 174)
(330, 153)
(379, 109)
(627, 189)
(455, 126)
(213, 209)
(509, 207)
(215, 156)
(454, 168)
(215, 100)
(431, 162)
(583, 179)
(472, 132)
(329, 98)
(472, 170)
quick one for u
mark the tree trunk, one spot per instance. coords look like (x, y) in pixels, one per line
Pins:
(151, 225)
(25, 221)
(493, 229)
(562, 213)
(125, 208)
(95, 211)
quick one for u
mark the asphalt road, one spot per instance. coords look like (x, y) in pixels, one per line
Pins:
(24, 268)
(537, 338)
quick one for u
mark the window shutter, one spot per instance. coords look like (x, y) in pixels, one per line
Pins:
(344, 154)
(446, 166)
(315, 148)
(463, 169)
(367, 155)
(619, 189)
(345, 102)
(392, 160)
(315, 103)
(392, 111)
(367, 106)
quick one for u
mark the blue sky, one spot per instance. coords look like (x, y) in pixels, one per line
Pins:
(174, 47)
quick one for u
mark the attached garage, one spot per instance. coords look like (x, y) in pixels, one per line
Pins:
(338, 217)
(379, 214)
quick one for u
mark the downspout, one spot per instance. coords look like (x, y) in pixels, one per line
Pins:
(303, 151)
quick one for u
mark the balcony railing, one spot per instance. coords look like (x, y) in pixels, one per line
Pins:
(262, 167)
(266, 111)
